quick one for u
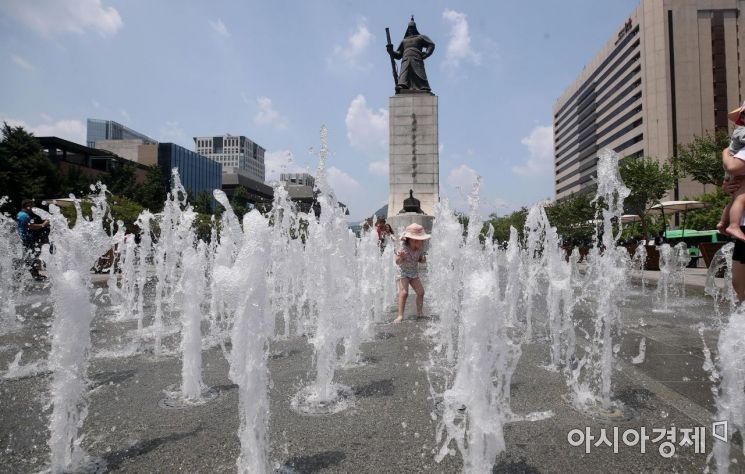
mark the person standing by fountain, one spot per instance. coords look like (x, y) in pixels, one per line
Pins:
(735, 168)
(27, 231)
(408, 260)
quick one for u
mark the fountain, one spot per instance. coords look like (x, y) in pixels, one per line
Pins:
(252, 329)
(330, 248)
(639, 263)
(75, 251)
(11, 273)
(284, 283)
(590, 378)
(475, 408)
(721, 262)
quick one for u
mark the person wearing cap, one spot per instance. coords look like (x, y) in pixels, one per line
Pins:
(408, 260)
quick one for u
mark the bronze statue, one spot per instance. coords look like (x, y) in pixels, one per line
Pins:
(412, 52)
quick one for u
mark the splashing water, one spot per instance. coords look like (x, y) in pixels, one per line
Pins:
(330, 248)
(730, 371)
(722, 260)
(75, 251)
(11, 270)
(591, 379)
(639, 263)
(253, 327)
(476, 408)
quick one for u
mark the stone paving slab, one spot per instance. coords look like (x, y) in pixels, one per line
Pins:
(390, 428)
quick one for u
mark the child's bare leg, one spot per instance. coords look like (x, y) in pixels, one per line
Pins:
(417, 284)
(724, 220)
(736, 209)
(403, 293)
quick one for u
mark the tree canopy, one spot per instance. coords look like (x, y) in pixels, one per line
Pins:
(648, 180)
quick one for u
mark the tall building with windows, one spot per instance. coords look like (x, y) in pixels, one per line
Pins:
(100, 130)
(669, 73)
(234, 153)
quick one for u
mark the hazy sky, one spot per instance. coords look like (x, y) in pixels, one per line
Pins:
(277, 70)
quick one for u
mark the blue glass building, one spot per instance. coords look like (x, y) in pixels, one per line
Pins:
(197, 172)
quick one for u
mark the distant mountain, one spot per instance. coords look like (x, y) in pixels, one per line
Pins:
(382, 212)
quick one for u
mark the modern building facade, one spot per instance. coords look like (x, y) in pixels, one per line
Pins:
(91, 162)
(133, 150)
(297, 179)
(197, 173)
(670, 73)
(234, 153)
(98, 130)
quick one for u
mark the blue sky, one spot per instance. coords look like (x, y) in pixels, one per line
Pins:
(277, 70)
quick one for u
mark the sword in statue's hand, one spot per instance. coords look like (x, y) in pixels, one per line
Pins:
(389, 47)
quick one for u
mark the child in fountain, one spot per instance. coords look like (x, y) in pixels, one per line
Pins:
(408, 260)
(732, 214)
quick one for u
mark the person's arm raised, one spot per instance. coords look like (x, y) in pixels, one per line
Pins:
(732, 165)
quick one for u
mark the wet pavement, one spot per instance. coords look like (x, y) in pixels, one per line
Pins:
(392, 426)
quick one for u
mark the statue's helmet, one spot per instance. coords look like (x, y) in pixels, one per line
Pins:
(411, 30)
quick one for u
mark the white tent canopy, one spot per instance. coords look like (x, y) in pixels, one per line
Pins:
(677, 206)
(630, 218)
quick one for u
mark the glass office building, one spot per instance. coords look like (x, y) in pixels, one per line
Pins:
(234, 152)
(197, 172)
(109, 130)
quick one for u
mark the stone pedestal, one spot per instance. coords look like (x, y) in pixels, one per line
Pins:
(414, 156)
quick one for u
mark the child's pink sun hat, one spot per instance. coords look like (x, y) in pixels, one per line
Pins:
(735, 114)
(416, 232)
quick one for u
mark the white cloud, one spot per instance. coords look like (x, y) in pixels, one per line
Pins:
(462, 178)
(268, 116)
(219, 27)
(51, 17)
(22, 63)
(540, 143)
(124, 114)
(280, 161)
(172, 132)
(379, 168)
(96, 104)
(73, 130)
(459, 47)
(352, 51)
(460, 182)
(367, 130)
(344, 186)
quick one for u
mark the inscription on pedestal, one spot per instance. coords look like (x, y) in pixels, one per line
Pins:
(413, 151)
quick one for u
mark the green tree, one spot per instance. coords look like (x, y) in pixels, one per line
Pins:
(502, 224)
(121, 180)
(648, 180)
(126, 210)
(239, 201)
(573, 217)
(153, 190)
(707, 218)
(75, 182)
(702, 158)
(202, 202)
(24, 170)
